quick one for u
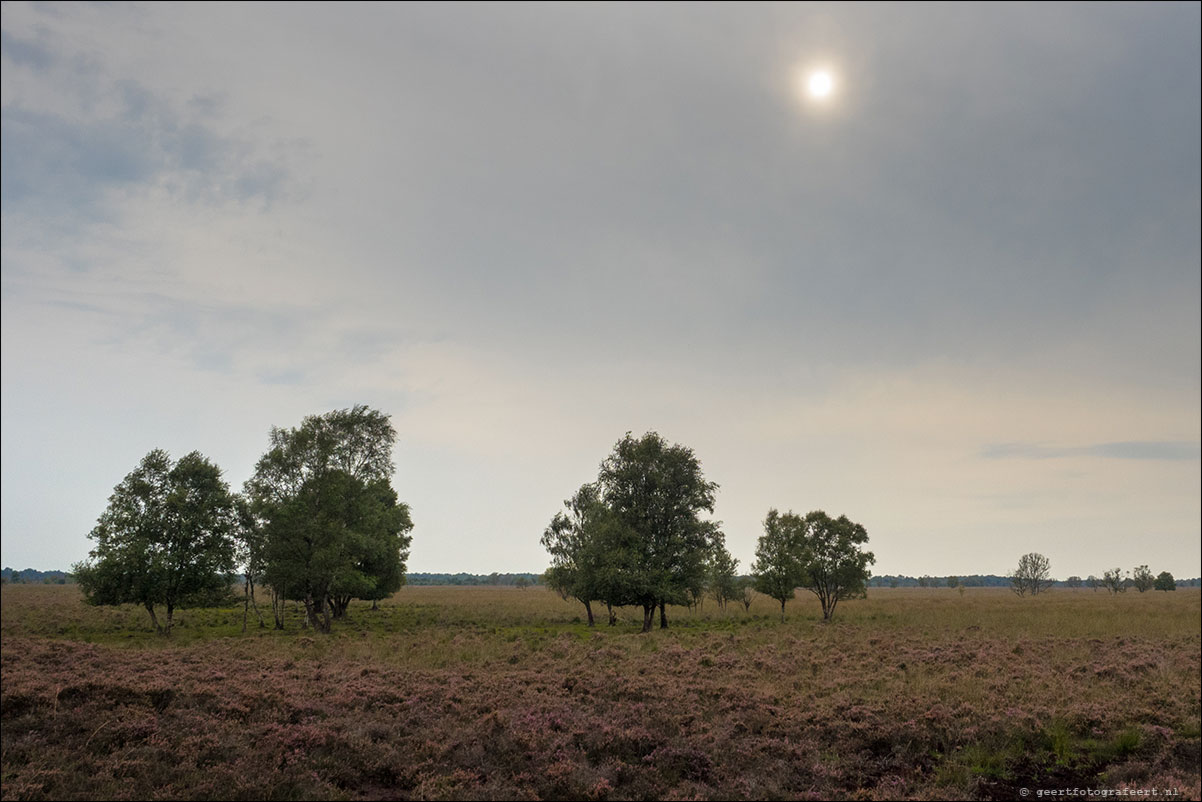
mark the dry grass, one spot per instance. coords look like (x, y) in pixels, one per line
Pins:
(504, 693)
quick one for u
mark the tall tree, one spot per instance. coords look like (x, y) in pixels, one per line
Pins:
(658, 492)
(333, 529)
(166, 538)
(1033, 574)
(1142, 579)
(779, 568)
(571, 539)
(835, 567)
(1165, 581)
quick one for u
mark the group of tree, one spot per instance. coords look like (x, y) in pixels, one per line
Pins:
(815, 552)
(1033, 576)
(32, 576)
(318, 523)
(635, 537)
(1140, 578)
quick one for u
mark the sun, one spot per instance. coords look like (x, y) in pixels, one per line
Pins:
(820, 84)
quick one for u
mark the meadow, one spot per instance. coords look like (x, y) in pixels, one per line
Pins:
(502, 693)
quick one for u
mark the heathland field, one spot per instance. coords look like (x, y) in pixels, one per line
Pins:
(501, 693)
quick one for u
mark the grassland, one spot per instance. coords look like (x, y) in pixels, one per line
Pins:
(500, 693)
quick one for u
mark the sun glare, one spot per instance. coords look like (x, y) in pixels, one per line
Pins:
(820, 84)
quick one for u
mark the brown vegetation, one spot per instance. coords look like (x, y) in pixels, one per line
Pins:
(486, 693)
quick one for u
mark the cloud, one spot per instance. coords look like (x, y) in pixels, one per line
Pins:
(71, 162)
(1129, 450)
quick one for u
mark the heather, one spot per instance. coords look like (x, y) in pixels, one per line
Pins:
(500, 693)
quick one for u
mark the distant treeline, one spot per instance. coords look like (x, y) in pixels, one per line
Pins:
(977, 581)
(34, 577)
(474, 579)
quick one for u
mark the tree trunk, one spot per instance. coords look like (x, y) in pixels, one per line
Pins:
(154, 618)
(663, 616)
(613, 617)
(277, 608)
(648, 616)
(782, 609)
(170, 615)
(254, 605)
(317, 614)
(588, 606)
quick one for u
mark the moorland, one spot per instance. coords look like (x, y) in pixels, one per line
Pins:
(505, 693)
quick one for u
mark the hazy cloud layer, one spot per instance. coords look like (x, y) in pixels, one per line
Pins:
(960, 304)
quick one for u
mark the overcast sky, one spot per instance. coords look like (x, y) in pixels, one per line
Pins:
(956, 300)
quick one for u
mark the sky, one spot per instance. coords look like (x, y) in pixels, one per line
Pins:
(956, 299)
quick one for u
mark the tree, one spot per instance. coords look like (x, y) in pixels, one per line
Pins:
(1142, 579)
(333, 528)
(1094, 583)
(248, 553)
(834, 566)
(745, 596)
(657, 492)
(166, 538)
(723, 581)
(953, 581)
(778, 568)
(1113, 581)
(1165, 581)
(1033, 575)
(588, 552)
(1073, 582)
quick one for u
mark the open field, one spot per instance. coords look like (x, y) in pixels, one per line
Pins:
(483, 693)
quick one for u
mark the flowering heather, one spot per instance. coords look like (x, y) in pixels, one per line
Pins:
(441, 696)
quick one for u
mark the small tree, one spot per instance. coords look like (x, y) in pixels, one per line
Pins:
(723, 582)
(1033, 575)
(778, 568)
(1165, 581)
(1094, 583)
(1073, 582)
(1142, 579)
(834, 566)
(746, 588)
(1113, 581)
(953, 581)
(166, 538)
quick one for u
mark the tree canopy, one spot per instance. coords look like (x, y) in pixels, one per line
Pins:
(636, 535)
(817, 552)
(779, 568)
(1033, 574)
(332, 527)
(166, 538)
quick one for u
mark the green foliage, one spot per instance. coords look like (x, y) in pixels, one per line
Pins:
(331, 527)
(778, 568)
(817, 552)
(1113, 581)
(635, 537)
(723, 576)
(1032, 576)
(835, 567)
(1142, 579)
(657, 492)
(1165, 581)
(165, 538)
